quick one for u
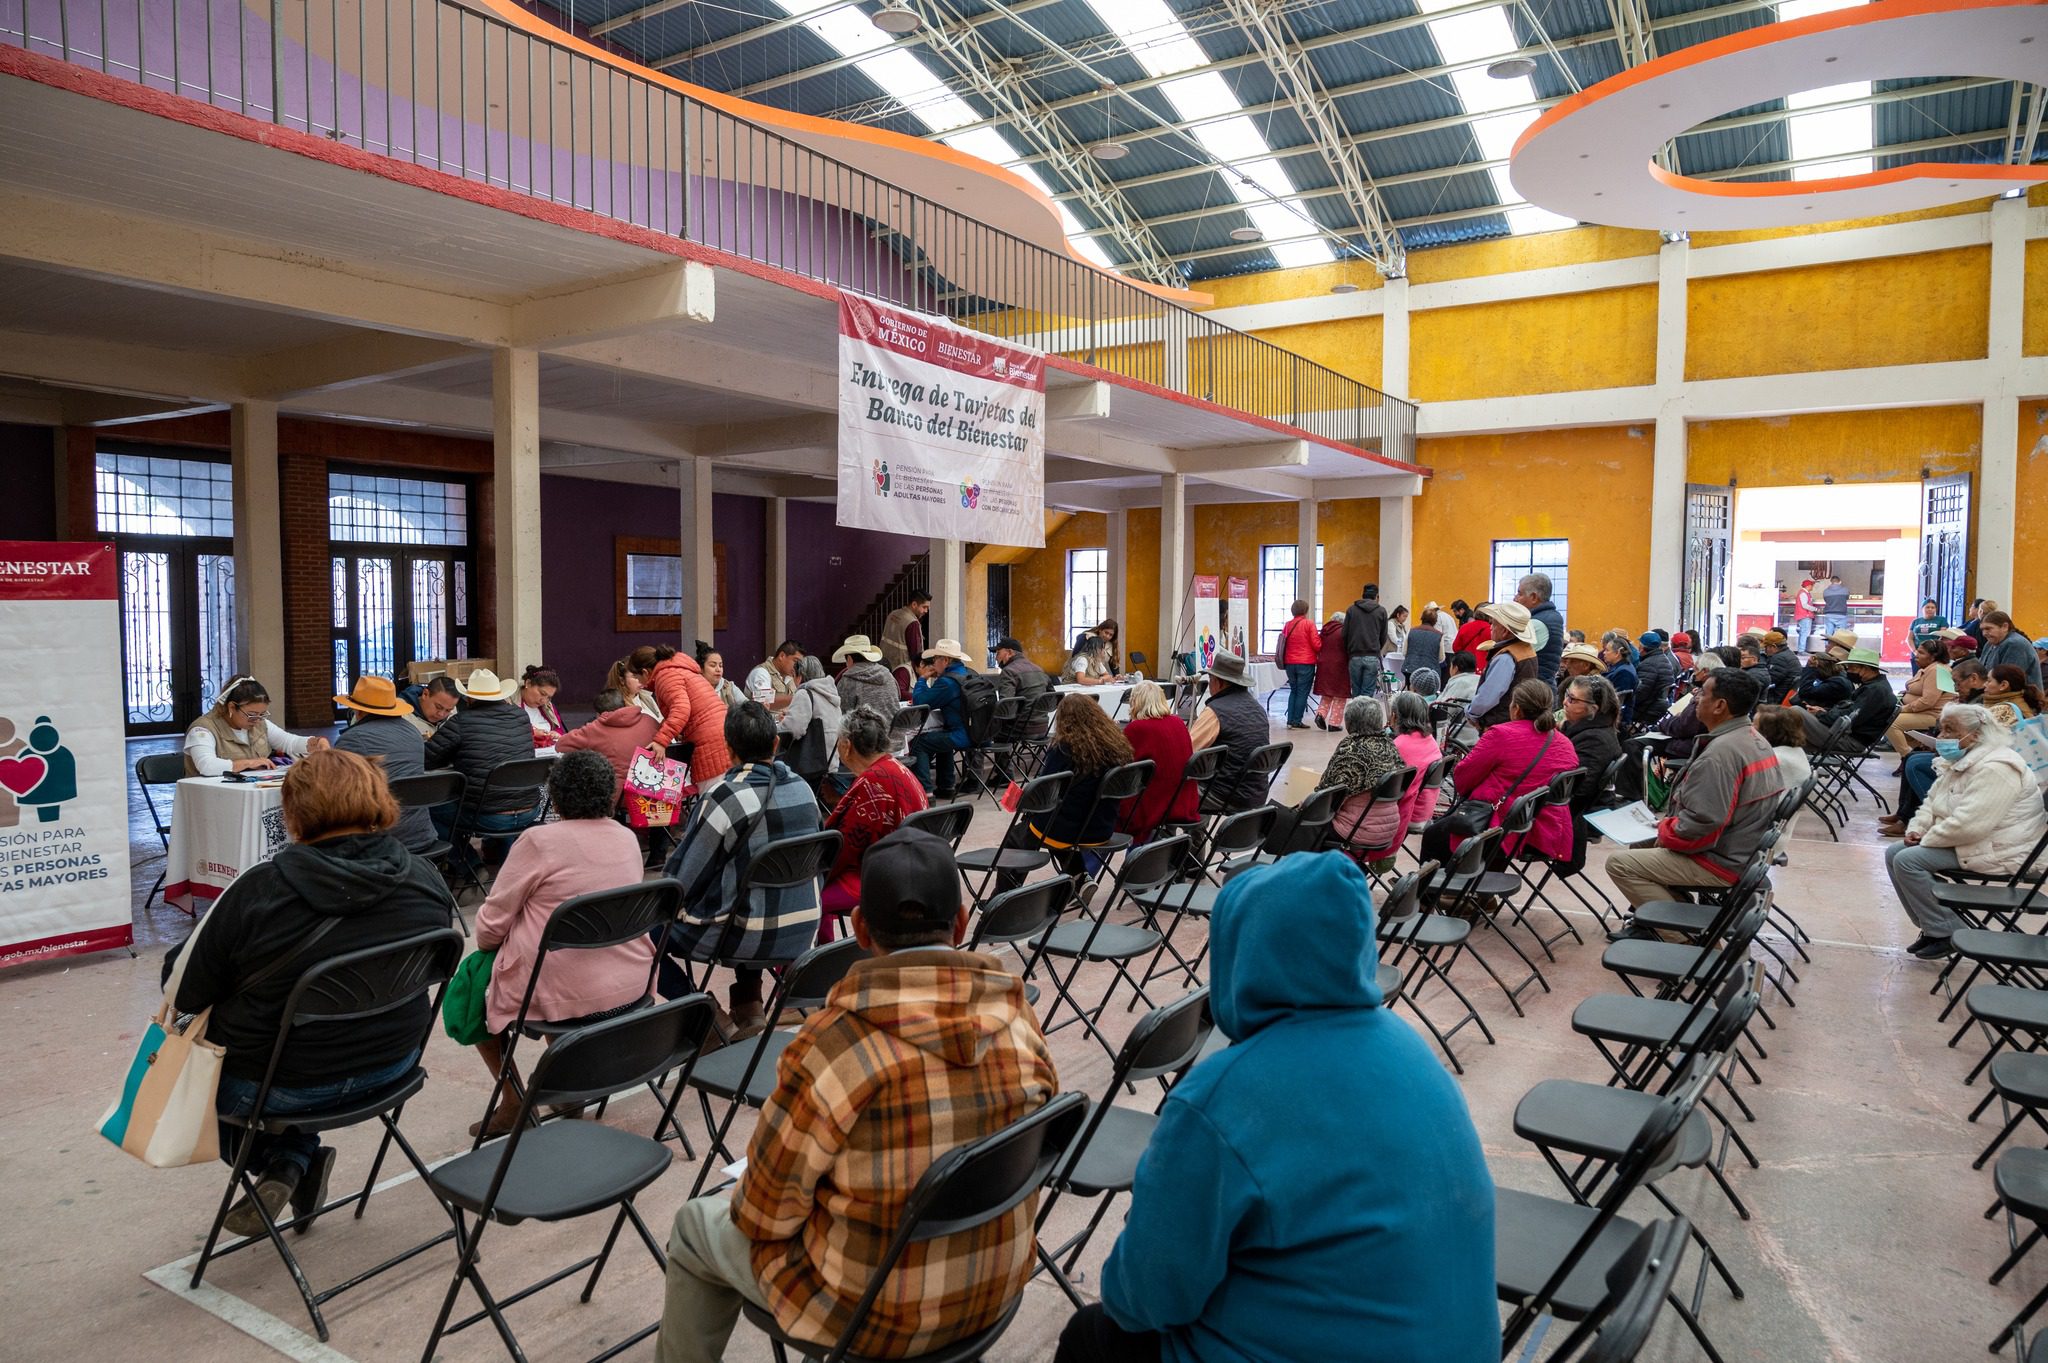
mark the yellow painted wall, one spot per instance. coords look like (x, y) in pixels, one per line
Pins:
(1559, 344)
(1574, 246)
(1038, 589)
(1141, 586)
(1850, 447)
(2034, 317)
(1350, 531)
(1273, 286)
(1852, 315)
(2029, 605)
(1586, 485)
(1256, 382)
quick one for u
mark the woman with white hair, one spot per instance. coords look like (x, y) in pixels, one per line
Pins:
(1366, 754)
(1983, 815)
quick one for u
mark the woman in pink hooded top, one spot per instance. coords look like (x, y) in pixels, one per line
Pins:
(1517, 756)
(620, 730)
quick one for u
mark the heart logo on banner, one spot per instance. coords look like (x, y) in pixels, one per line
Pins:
(20, 775)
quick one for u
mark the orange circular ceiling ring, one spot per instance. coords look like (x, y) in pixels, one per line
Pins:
(1590, 157)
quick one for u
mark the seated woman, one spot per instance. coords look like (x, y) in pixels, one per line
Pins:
(882, 794)
(1784, 729)
(537, 688)
(1982, 815)
(817, 697)
(1931, 687)
(1510, 760)
(1591, 720)
(1363, 757)
(1415, 740)
(632, 685)
(618, 733)
(237, 735)
(1155, 732)
(1086, 743)
(583, 851)
(712, 664)
(1090, 664)
(2010, 696)
(342, 884)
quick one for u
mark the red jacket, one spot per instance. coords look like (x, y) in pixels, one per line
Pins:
(1471, 635)
(616, 734)
(1165, 740)
(691, 710)
(1333, 665)
(1299, 642)
(872, 808)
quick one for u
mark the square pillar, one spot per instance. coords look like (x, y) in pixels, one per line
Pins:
(1668, 454)
(1118, 558)
(1394, 338)
(515, 502)
(1306, 535)
(700, 568)
(1174, 541)
(259, 545)
(949, 596)
(1397, 551)
(1998, 462)
(777, 593)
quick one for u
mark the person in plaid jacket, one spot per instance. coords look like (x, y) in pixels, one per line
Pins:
(758, 802)
(921, 1048)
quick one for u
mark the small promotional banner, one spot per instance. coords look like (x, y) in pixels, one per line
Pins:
(941, 431)
(1237, 614)
(63, 763)
(1208, 619)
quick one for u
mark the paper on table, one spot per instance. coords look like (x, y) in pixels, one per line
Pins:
(1632, 825)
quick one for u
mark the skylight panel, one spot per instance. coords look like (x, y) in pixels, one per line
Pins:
(1235, 139)
(1483, 36)
(1496, 135)
(986, 143)
(1200, 96)
(1153, 33)
(1837, 133)
(911, 83)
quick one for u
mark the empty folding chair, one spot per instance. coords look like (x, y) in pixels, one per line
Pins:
(568, 1170)
(1421, 948)
(966, 1188)
(2021, 1180)
(1265, 761)
(1040, 796)
(1571, 791)
(156, 771)
(1990, 903)
(1236, 839)
(1304, 828)
(1470, 880)
(1821, 797)
(1699, 921)
(743, 1074)
(950, 822)
(1092, 938)
(356, 988)
(1103, 1159)
(1637, 1284)
(1018, 918)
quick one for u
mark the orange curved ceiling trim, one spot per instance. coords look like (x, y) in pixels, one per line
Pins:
(1590, 156)
(1014, 204)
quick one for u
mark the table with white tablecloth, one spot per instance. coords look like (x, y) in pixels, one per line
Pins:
(1110, 696)
(220, 829)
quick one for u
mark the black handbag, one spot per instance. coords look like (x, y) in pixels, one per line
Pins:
(1470, 817)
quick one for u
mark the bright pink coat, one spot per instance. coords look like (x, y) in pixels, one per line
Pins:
(616, 735)
(1502, 754)
(551, 862)
(1418, 751)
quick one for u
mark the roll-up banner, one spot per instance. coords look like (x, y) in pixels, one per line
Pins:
(941, 430)
(63, 760)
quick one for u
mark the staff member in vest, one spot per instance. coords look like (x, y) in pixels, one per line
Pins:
(1234, 718)
(237, 735)
(379, 730)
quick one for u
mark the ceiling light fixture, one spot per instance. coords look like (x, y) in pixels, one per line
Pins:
(1109, 151)
(898, 18)
(1343, 288)
(1512, 68)
(1246, 234)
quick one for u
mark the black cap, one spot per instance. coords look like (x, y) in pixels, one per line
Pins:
(1007, 642)
(909, 883)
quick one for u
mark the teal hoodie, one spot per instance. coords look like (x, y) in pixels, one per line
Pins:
(1316, 1191)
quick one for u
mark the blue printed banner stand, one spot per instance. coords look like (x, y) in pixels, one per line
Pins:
(941, 431)
(63, 763)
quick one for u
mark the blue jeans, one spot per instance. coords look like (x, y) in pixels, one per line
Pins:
(292, 1146)
(927, 749)
(1301, 678)
(1803, 627)
(490, 827)
(1916, 778)
(1365, 675)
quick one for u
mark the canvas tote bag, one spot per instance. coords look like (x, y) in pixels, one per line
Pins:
(165, 1114)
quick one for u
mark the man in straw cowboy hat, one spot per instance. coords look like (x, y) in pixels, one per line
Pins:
(1870, 709)
(488, 728)
(941, 685)
(1512, 658)
(379, 729)
(863, 680)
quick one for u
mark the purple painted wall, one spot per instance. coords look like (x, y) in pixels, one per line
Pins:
(825, 596)
(29, 510)
(741, 525)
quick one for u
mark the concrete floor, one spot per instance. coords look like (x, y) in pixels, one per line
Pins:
(1867, 1242)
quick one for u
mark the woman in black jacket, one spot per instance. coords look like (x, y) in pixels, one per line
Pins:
(1086, 742)
(343, 884)
(1592, 719)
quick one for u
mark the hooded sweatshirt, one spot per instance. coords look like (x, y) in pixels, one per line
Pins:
(913, 1054)
(373, 891)
(1265, 1226)
(615, 735)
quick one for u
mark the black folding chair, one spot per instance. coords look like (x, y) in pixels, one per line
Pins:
(1424, 948)
(1200, 767)
(1638, 1281)
(158, 769)
(1103, 1160)
(1470, 879)
(520, 774)
(950, 821)
(587, 922)
(567, 1170)
(1580, 792)
(783, 864)
(1000, 752)
(1390, 789)
(1236, 839)
(967, 1187)
(905, 725)
(1040, 796)
(1266, 760)
(1117, 785)
(1020, 916)
(743, 1075)
(430, 791)
(1036, 725)
(1093, 938)
(340, 992)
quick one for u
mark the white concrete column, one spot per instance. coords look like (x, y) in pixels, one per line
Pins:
(777, 592)
(1668, 454)
(515, 493)
(1397, 552)
(259, 544)
(1306, 536)
(1175, 539)
(1996, 493)
(1118, 558)
(700, 567)
(1394, 338)
(949, 598)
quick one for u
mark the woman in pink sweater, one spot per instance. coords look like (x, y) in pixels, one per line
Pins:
(1516, 756)
(620, 730)
(552, 862)
(1415, 740)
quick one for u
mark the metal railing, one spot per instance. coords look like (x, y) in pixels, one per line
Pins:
(441, 85)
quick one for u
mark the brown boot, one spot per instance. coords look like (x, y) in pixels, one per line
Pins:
(749, 1019)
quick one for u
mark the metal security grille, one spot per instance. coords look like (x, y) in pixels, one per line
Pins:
(146, 494)
(1703, 590)
(372, 509)
(400, 569)
(1945, 543)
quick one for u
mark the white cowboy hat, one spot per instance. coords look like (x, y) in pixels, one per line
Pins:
(483, 684)
(857, 646)
(1512, 616)
(947, 648)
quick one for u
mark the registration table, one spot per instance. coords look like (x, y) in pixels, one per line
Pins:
(1109, 696)
(220, 829)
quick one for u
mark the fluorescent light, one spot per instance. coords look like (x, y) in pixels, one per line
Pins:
(1512, 68)
(1153, 33)
(1246, 234)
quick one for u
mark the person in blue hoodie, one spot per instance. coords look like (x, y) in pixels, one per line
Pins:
(1316, 1190)
(938, 686)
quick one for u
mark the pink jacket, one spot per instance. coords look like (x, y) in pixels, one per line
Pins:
(1418, 751)
(616, 734)
(1503, 753)
(549, 863)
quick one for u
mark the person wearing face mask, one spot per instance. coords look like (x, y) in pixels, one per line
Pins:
(1916, 773)
(1981, 816)
(237, 735)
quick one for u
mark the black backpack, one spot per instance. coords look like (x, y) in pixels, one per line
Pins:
(978, 698)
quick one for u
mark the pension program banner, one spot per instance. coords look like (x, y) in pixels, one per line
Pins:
(941, 431)
(63, 763)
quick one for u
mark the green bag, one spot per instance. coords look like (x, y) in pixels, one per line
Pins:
(462, 1006)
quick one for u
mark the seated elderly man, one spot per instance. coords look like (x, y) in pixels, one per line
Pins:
(919, 1049)
(1982, 815)
(1235, 719)
(1870, 708)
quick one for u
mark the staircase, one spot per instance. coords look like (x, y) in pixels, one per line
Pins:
(914, 576)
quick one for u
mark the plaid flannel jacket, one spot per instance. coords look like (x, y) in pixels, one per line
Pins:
(913, 1054)
(759, 802)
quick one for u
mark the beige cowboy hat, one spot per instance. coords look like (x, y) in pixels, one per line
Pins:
(1841, 642)
(857, 646)
(1228, 667)
(483, 684)
(947, 648)
(1584, 653)
(375, 696)
(1513, 617)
